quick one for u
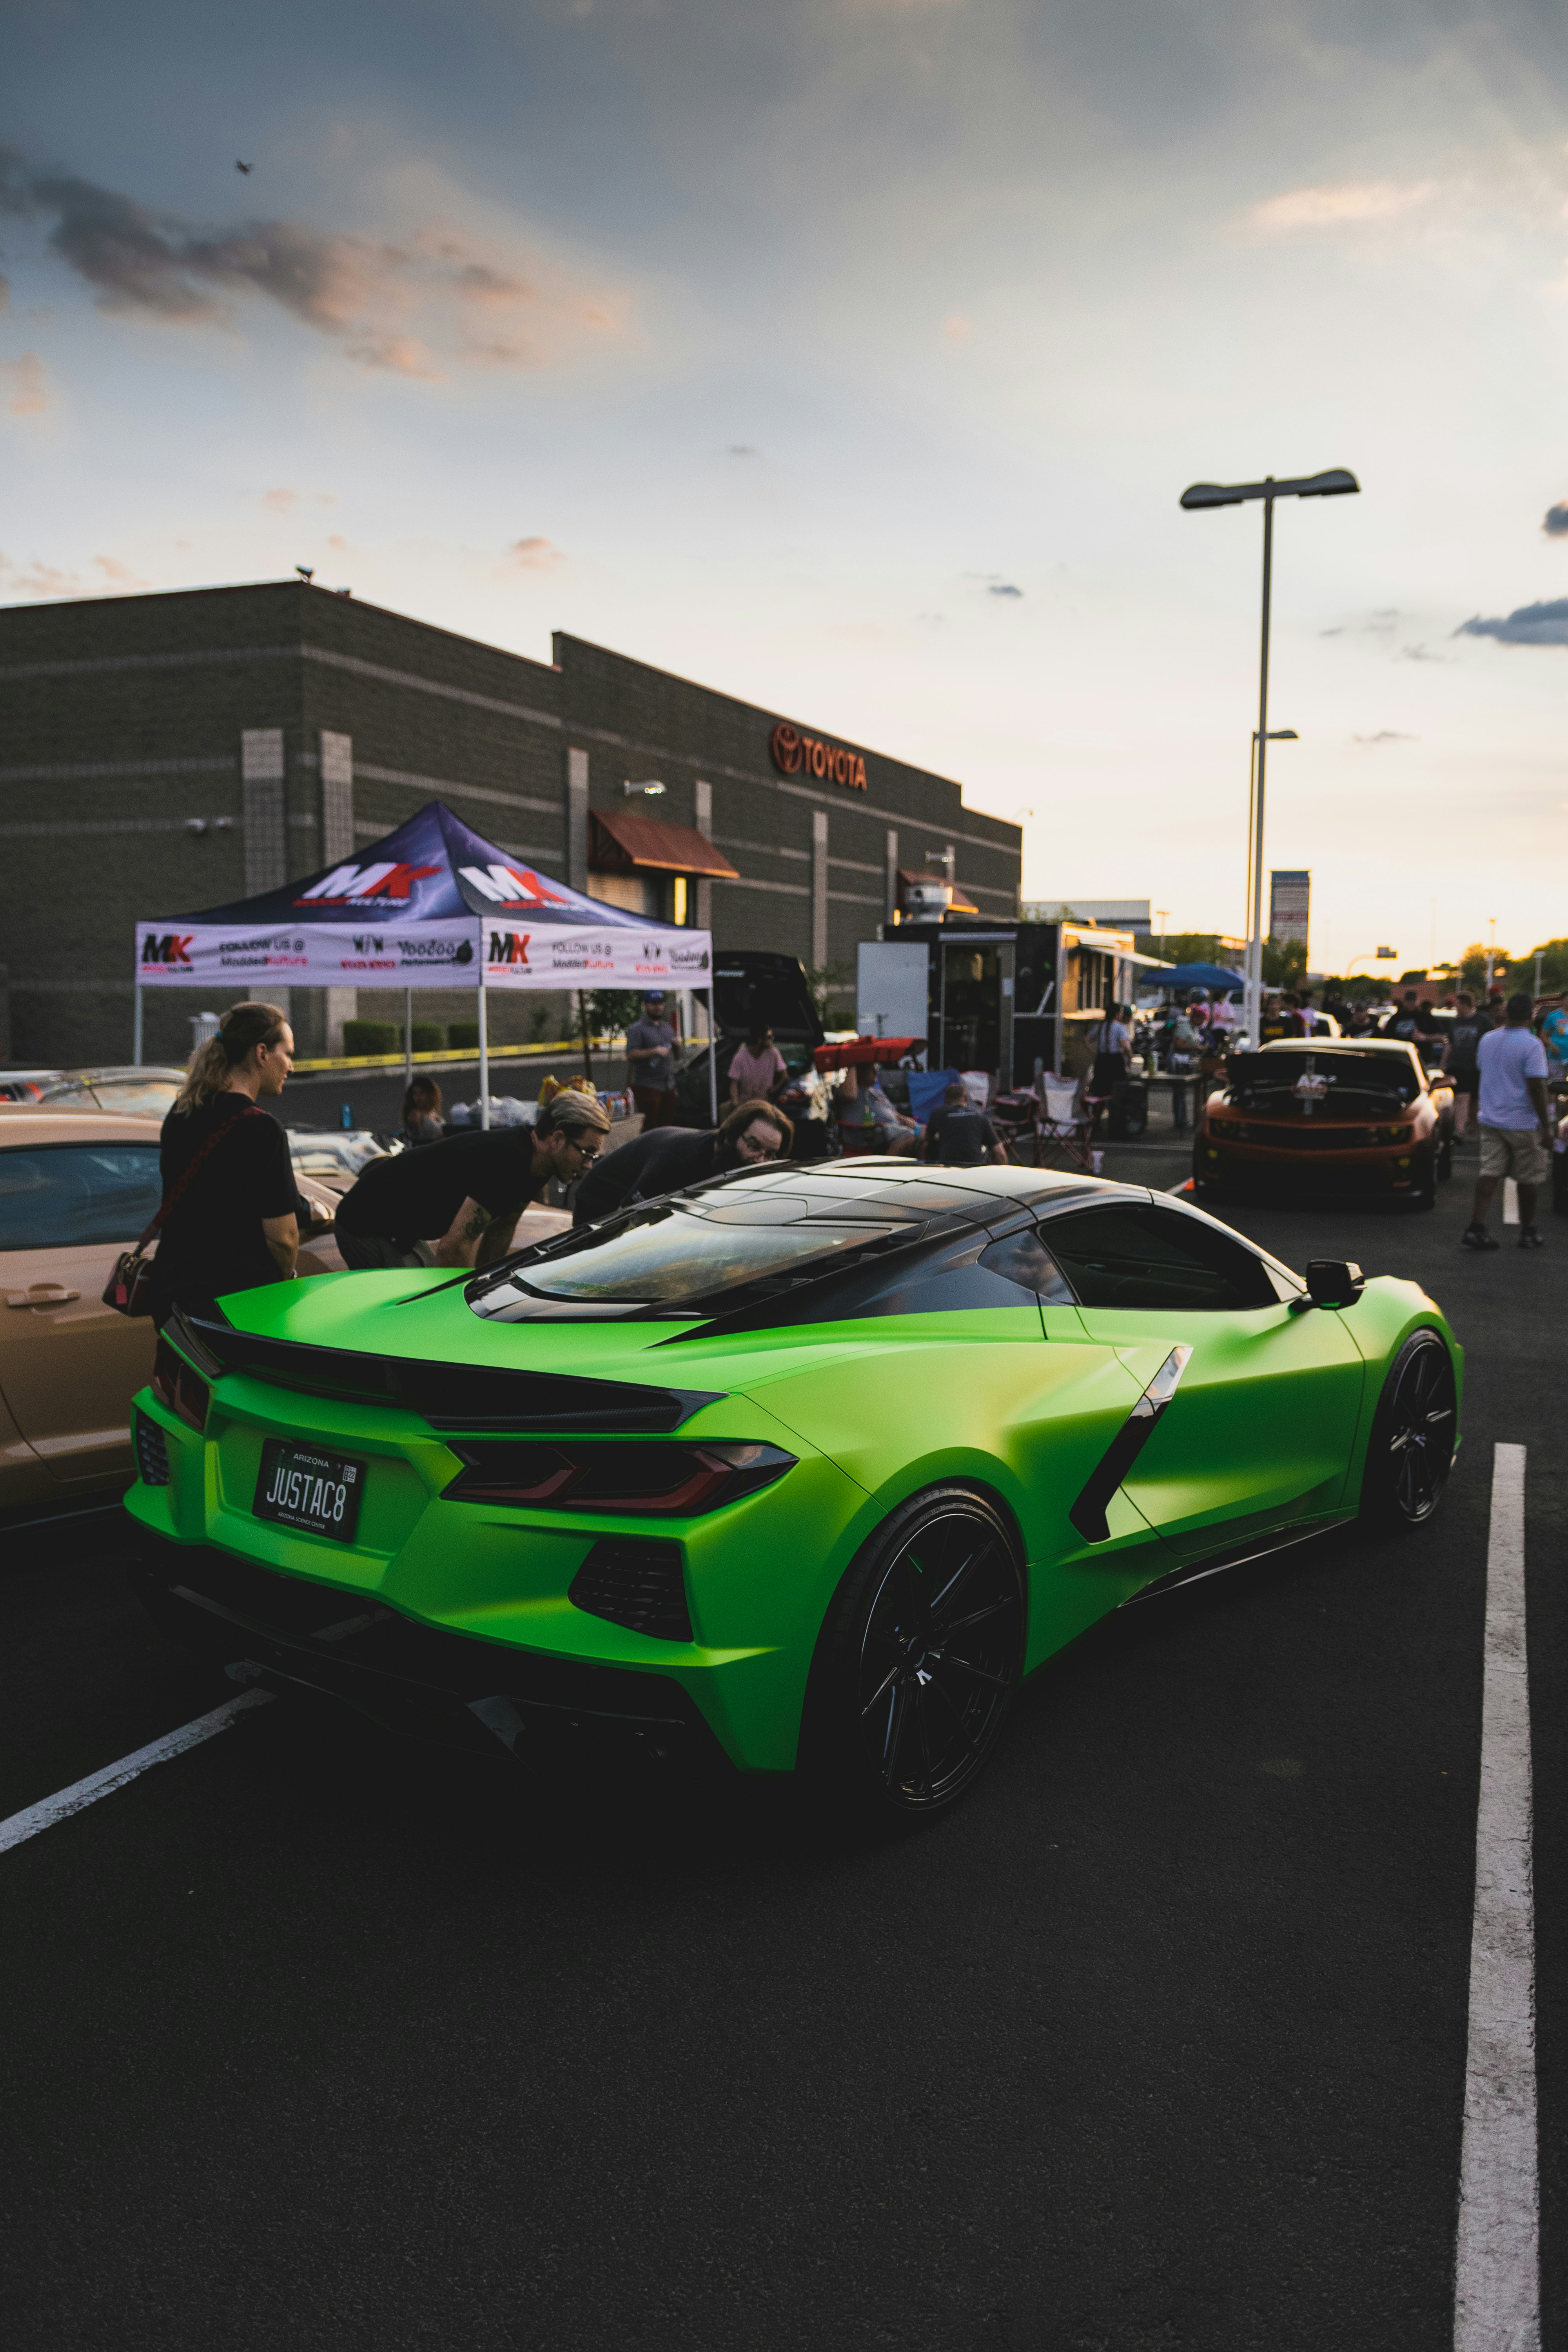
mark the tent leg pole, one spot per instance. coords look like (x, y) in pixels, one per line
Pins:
(136, 1032)
(712, 1062)
(408, 1037)
(484, 1058)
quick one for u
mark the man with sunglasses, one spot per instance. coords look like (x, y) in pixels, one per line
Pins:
(457, 1203)
(671, 1157)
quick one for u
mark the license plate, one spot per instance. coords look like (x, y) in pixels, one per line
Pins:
(299, 1487)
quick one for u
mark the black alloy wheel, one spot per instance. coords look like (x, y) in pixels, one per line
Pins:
(1446, 1157)
(1411, 1449)
(919, 1660)
(1423, 1193)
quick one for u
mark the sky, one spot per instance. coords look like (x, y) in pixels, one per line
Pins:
(851, 356)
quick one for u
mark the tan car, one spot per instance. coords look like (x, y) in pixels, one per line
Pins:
(76, 1187)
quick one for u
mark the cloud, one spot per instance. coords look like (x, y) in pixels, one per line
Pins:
(1003, 588)
(1380, 624)
(1342, 204)
(1385, 735)
(118, 574)
(1554, 521)
(534, 555)
(957, 328)
(1532, 624)
(35, 579)
(417, 307)
(24, 386)
(281, 501)
(742, 449)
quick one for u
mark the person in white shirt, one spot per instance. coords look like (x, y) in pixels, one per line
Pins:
(1515, 1123)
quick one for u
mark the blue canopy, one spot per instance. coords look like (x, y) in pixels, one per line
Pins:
(1212, 976)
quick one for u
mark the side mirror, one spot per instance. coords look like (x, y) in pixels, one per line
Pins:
(1333, 1282)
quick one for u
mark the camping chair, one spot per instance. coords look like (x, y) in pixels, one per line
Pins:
(1062, 1131)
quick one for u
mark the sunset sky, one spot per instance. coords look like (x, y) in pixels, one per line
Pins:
(851, 356)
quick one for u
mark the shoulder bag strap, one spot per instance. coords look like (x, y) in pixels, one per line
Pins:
(172, 1198)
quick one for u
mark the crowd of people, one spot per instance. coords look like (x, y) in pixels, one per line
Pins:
(233, 1215)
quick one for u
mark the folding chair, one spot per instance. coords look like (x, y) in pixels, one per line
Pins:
(1062, 1132)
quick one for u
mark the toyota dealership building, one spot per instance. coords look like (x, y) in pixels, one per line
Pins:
(164, 754)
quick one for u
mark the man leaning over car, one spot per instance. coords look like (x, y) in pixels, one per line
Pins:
(670, 1157)
(457, 1203)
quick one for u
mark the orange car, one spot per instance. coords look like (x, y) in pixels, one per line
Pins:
(76, 1187)
(1352, 1113)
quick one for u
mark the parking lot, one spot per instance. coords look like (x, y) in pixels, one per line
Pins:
(1159, 2040)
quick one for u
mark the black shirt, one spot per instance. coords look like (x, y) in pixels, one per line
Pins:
(415, 1195)
(213, 1241)
(1464, 1041)
(662, 1161)
(959, 1139)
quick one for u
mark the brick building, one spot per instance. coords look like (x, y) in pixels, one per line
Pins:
(162, 754)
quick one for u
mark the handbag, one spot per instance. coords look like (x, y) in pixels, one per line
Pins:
(128, 1289)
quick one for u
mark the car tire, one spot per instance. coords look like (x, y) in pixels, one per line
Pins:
(1445, 1159)
(1425, 1195)
(899, 1721)
(1411, 1449)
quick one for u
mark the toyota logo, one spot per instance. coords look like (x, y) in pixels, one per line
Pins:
(785, 746)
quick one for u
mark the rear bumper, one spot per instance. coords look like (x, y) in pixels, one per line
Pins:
(421, 1680)
(1385, 1168)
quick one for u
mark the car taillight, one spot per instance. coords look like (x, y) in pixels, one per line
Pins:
(582, 1477)
(175, 1386)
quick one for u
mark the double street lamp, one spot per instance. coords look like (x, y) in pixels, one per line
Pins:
(1337, 483)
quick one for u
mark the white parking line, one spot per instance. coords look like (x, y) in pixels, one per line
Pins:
(50, 1810)
(1496, 2264)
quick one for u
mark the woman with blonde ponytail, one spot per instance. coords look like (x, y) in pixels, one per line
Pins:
(234, 1219)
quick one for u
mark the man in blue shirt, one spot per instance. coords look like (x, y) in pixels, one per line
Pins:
(1516, 1125)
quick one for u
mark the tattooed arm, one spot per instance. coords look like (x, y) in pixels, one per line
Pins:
(460, 1243)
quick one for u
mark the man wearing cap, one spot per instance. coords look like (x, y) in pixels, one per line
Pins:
(650, 1062)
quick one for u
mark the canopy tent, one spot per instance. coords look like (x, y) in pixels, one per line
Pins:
(1212, 976)
(431, 905)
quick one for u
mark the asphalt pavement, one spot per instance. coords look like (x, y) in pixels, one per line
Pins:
(1158, 2041)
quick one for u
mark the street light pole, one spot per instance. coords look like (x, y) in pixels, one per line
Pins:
(1335, 483)
(1252, 1006)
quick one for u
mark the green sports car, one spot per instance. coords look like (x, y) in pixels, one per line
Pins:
(807, 1466)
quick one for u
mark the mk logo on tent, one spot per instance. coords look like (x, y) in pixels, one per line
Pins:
(175, 948)
(509, 947)
(509, 886)
(387, 880)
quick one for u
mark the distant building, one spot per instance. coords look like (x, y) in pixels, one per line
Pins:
(162, 754)
(1112, 914)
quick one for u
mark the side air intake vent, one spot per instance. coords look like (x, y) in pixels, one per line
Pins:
(635, 1581)
(152, 1452)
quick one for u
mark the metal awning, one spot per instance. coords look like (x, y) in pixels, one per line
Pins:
(624, 844)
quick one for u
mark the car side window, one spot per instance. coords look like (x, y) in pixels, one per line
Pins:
(66, 1194)
(1024, 1258)
(1152, 1257)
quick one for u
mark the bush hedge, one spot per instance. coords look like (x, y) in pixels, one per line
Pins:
(429, 1036)
(372, 1038)
(463, 1034)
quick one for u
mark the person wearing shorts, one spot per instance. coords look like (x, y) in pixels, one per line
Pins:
(1516, 1128)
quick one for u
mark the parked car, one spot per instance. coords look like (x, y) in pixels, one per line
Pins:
(1359, 1113)
(25, 1085)
(805, 1467)
(135, 1093)
(76, 1187)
